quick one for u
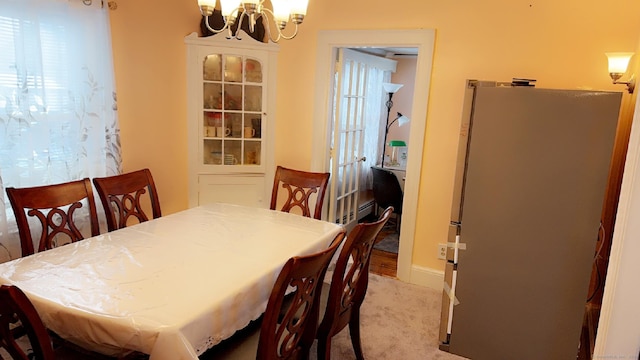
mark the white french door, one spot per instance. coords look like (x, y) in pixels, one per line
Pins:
(357, 89)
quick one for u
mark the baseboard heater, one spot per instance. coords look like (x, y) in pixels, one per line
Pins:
(363, 210)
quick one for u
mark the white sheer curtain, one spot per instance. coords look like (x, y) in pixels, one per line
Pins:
(58, 119)
(375, 122)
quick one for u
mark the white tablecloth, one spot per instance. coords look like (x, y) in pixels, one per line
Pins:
(170, 287)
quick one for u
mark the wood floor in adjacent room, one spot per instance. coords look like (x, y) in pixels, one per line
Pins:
(384, 263)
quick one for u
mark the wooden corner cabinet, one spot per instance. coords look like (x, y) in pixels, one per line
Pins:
(231, 103)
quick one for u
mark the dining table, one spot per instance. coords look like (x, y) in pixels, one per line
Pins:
(171, 287)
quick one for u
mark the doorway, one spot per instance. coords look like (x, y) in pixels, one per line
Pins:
(328, 44)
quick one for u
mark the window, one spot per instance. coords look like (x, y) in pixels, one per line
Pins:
(58, 117)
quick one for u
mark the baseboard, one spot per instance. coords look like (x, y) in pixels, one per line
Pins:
(427, 277)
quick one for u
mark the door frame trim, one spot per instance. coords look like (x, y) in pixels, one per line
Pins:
(424, 41)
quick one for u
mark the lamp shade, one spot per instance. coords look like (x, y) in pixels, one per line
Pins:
(391, 88)
(618, 61)
(402, 119)
(395, 143)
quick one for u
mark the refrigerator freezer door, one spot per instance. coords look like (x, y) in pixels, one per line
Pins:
(537, 167)
(467, 111)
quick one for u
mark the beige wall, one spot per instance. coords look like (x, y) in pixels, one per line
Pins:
(560, 43)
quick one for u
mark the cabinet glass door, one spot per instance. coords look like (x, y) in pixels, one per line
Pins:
(232, 104)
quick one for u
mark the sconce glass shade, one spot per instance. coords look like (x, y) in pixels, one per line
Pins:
(211, 3)
(618, 62)
(391, 88)
(207, 6)
(281, 10)
(299, 7)
(227, 7)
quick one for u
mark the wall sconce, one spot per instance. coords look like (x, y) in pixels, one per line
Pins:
(618, 63)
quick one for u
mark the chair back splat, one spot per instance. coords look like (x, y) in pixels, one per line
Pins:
(121, 197)
(56, 208)
(302, 189)
(349, 286)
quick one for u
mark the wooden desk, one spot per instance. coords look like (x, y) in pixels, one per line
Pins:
(170, 287)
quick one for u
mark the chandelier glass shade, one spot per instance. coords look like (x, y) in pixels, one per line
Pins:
(236, 11)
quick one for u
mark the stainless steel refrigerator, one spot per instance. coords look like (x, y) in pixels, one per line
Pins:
(532, 171)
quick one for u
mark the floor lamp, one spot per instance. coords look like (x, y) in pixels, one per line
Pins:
(391, 89)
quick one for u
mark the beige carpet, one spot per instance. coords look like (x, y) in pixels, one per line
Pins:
(398, 321)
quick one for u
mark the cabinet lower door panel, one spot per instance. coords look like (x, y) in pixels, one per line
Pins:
(246, 190)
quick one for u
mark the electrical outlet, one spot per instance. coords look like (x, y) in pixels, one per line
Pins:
(442, 251)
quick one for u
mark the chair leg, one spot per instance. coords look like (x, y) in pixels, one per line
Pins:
(324, 347)
(354, 331)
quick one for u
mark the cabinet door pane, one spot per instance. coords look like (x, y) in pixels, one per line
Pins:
(212, 67)
(255, 121)
(212, 153)
(232, 152)
(253, 98)
(233, 122)
(233, 68)
(252, 152)
(232, 97)
(253, 71)
(212, 96)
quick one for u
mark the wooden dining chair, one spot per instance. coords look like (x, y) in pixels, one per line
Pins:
(18, 318)
(302, 190)
(349, 286)
(122, 197)
(288, 328)
(55, 206)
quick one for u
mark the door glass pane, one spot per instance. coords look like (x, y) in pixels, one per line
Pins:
(233, 68)
(233, 122)
(212, 124)
(233, 97)
(212, 68)
(252, 152)
(253, 98)
(253, 71)
(212, 96)
(212, 153)
(256, 124)
(232, 151)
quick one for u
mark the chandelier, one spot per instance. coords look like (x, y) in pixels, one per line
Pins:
(236, 11)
